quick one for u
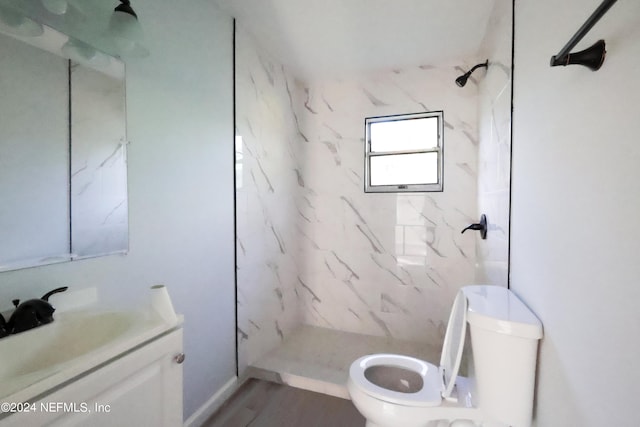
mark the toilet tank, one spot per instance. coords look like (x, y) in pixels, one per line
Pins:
(504, 341)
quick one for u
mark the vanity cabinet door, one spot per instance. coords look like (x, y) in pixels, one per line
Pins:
(142, 388)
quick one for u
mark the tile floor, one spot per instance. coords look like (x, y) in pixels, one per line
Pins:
(259, 403)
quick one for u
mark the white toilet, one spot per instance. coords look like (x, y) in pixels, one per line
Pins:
(391, 390)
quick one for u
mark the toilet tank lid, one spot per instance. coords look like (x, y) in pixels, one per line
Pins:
(498, 309)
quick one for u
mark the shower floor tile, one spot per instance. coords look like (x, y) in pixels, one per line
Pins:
(318, 359)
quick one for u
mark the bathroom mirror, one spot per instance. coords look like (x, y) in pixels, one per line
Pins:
(63, 173)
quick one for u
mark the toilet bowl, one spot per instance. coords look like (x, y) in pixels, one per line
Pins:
(392, 390)
(397, 390)
(397, 379)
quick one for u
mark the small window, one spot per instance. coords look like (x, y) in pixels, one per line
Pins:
(404, 153)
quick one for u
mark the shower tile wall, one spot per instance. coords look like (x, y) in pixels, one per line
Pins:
(383, 264)
(494, 158)
(266, 184)
(312, 246)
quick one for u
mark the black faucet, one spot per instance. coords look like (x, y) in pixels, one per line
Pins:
(31, 313)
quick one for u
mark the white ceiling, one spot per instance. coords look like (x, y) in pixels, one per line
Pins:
(332, 37)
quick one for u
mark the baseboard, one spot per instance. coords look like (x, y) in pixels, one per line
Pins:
(213, 403)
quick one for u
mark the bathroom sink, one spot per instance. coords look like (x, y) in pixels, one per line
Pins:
(58, 342)
(37, 360)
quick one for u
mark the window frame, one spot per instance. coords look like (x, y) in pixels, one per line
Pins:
(404, 188)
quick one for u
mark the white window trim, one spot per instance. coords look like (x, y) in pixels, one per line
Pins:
(408, 188)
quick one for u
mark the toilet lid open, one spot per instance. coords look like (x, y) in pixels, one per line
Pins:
(453, 344)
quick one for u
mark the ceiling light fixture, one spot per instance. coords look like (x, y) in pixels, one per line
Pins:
(16, 23)
(57, 7)
(126, 31)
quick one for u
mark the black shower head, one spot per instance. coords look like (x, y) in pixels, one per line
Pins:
(462, 80)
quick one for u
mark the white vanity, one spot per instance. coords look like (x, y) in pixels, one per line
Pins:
(94, 368)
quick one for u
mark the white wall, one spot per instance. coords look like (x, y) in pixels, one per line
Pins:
(180, 124)
(576, 203)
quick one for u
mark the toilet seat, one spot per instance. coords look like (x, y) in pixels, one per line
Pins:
(437, 382)
(428, 395)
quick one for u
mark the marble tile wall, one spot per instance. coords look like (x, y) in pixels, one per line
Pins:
(267, 181)
(494, 155)
(383, 264)
(313, 248)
